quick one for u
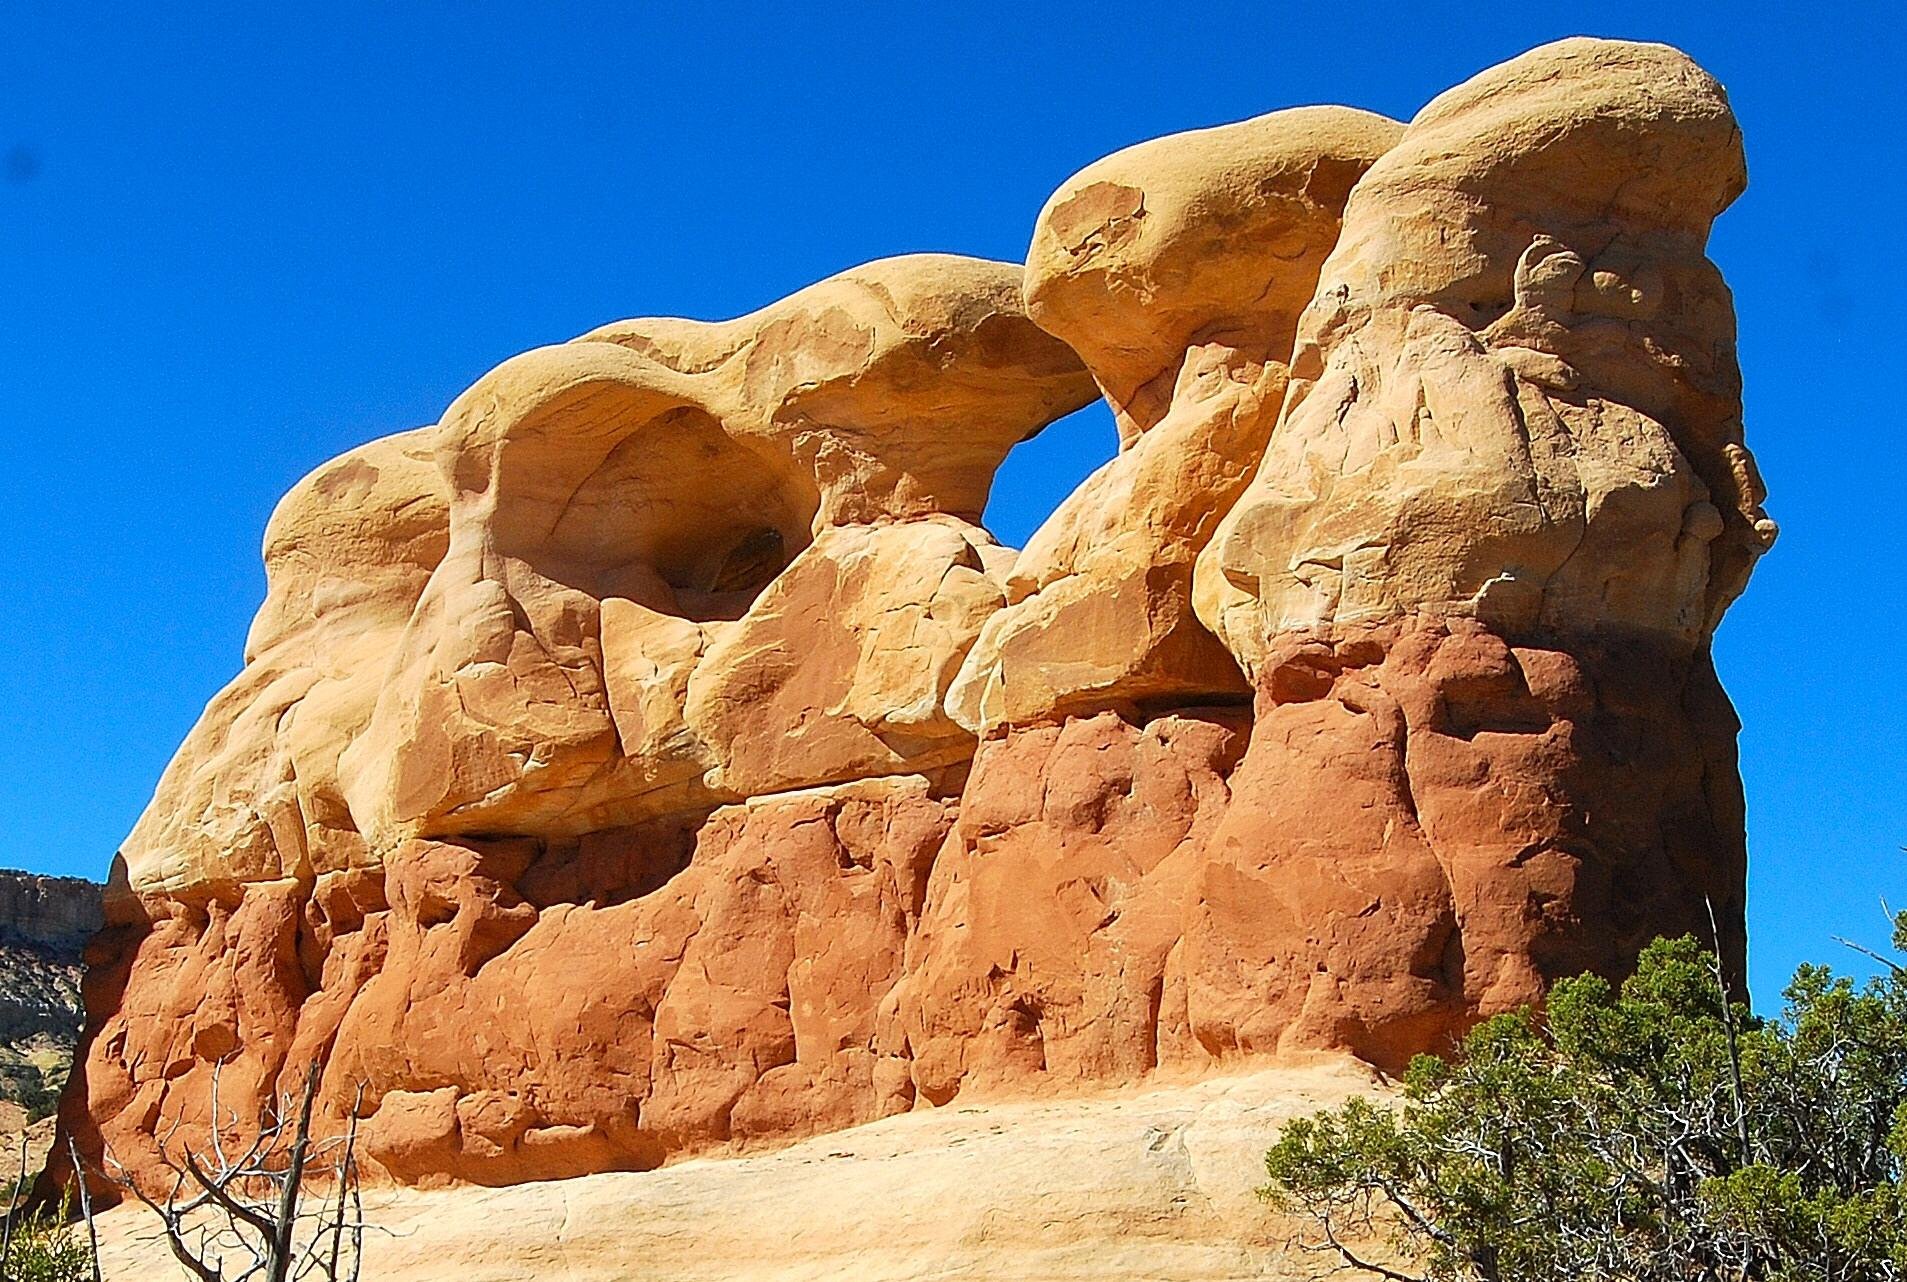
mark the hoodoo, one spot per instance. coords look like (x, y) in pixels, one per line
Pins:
(656, 756)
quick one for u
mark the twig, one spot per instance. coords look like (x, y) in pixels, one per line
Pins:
(1734, 1037)
(85, 1205)
(13, 1210)
(287, 1221)
(1865, 951)
(1369, 1266)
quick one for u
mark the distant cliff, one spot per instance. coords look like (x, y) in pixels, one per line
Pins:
(52, 914)
(44, 925)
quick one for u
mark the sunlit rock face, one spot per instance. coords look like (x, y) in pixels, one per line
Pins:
(657, 756)
(1177, 269)
(1515, 393)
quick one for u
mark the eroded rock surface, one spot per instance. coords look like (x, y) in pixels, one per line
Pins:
(1177, 269)
(657, 757)
(642, 519)
(1515, 394)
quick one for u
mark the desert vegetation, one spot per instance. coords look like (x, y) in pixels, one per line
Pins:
(1649, 1132)
(46, 1244)
(237, 1210)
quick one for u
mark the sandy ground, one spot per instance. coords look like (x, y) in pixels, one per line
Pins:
(1151, 1183)
(39, 1138)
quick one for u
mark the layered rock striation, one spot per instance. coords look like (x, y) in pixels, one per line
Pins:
(657, 756)
(45, 923)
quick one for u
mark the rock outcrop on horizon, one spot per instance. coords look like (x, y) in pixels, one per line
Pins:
(657, 756)
(45, 923)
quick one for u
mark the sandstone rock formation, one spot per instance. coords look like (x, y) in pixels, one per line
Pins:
(1516, 393)
(1177, 270)
(657, 757)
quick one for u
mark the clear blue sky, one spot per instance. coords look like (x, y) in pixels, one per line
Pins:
(235, 241)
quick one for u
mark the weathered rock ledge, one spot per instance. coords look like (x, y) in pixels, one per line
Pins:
(1151, 1185)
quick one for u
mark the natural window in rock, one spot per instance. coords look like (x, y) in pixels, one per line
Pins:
(1042, 472)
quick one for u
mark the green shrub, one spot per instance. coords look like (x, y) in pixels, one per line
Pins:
(1648, 1134)
(47, 1247)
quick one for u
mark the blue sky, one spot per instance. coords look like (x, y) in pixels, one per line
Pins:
(235, 241)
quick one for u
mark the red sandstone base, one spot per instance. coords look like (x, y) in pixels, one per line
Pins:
(1416, 826)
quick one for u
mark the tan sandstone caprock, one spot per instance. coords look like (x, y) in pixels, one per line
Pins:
(253, 794)
(1515, 393)
(1177, 269)
(1212, 236)
(842, 668)
(683, 473)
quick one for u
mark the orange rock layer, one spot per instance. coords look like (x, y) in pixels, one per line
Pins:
(1420, 824)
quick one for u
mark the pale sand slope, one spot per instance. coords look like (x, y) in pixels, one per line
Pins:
(1153, 1183)
(39, 1138)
